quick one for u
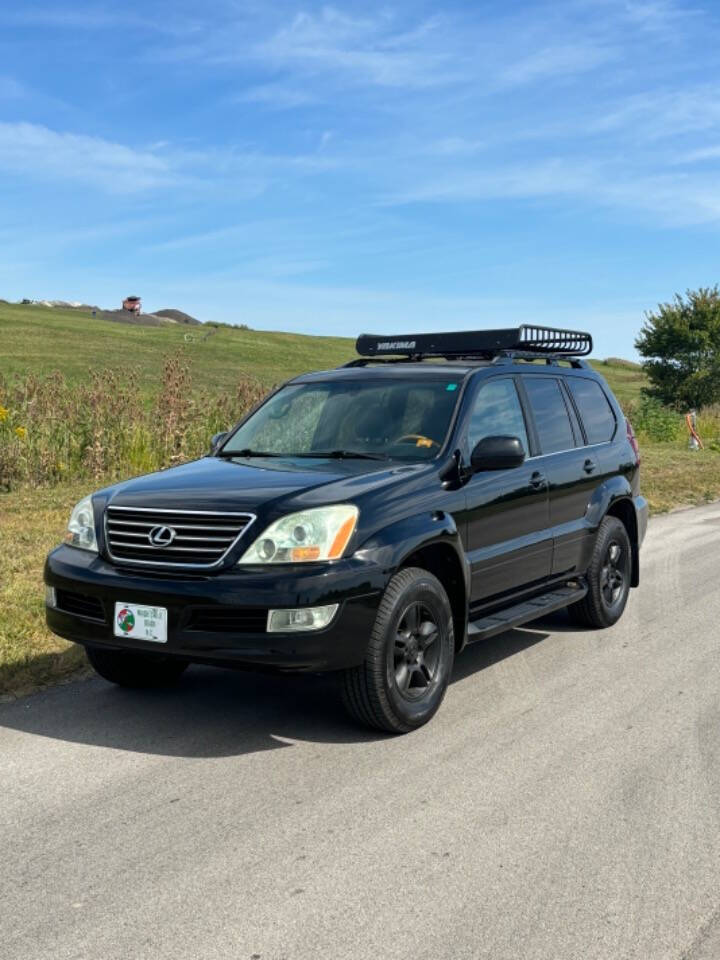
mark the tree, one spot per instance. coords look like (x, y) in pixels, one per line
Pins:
(681, 344)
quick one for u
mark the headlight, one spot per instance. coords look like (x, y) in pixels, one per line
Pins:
(322, 533)
(81, 528)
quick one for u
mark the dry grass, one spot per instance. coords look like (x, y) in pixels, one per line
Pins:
(676, 477)
(32, 523)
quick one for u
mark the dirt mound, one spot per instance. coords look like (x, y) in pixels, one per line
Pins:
(177, 315)
(125, 316)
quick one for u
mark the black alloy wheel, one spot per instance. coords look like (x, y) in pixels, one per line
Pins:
(613, 574)
(416, 654)
(408, 663)
(608, 577)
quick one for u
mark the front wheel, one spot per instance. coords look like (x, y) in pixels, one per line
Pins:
(406, 671)
(130, 669)
(608, 577)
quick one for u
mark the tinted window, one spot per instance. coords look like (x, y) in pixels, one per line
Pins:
(551, 416)
(497, 412)
(577, 432)
(597, 416)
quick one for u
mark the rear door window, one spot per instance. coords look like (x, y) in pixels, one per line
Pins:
(595, 410)
(550, 413)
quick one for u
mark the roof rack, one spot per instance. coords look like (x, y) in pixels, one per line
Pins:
(524, 342)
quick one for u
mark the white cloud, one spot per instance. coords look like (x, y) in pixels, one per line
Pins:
(552, 177)
(35, 150)
(658, 16)
(673, 199)
(367, 48)
(656, 114)
(27, 148)
(699, 156)
(555, 61)
(278, 95)
(371, 49)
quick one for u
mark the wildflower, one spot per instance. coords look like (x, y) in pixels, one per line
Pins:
(4, 413)
(21, 432)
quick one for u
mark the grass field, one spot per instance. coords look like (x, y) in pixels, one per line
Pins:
(40, 340)
(37, 341)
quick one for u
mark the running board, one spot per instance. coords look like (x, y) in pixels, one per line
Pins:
(528, 610)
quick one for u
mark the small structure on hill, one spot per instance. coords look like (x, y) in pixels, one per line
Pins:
(132, 305)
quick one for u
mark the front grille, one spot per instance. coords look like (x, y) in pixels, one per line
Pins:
(199, 539)
(228, 619)
(80, 605)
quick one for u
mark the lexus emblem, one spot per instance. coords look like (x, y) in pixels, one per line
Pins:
(161, 536)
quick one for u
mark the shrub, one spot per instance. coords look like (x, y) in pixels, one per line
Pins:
(653, 421)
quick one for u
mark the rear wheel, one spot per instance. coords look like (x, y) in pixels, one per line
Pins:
(130, 669)
(608, 577)
(409, 659)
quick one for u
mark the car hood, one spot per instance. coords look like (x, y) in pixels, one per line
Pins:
(261, 486)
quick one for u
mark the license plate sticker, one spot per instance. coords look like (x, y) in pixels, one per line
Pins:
(140, 622)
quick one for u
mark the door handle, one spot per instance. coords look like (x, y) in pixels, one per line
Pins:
(589, 466)
(537, 480)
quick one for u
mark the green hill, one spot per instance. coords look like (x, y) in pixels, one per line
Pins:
(39, 340)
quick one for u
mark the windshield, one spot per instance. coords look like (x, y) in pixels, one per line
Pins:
(404, 419)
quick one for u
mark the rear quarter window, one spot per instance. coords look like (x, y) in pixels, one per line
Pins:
(594, 408)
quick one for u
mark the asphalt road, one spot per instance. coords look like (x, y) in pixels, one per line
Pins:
(565, 803)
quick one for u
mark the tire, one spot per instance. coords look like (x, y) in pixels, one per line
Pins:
(129, 669)
(405, 674)
(608, 577)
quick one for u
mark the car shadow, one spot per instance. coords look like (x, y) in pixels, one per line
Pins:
(220, 713)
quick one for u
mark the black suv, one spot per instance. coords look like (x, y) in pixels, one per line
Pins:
(370, 520)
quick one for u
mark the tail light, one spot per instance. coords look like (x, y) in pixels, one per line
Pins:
(632, 439)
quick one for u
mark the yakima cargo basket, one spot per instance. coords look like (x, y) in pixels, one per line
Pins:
(479, 344)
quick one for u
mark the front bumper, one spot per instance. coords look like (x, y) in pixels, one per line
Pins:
(356, 585)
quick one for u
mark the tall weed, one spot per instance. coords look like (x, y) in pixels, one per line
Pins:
(657, 423)
(52, 431)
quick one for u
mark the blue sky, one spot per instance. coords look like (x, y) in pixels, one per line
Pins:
(336, 168)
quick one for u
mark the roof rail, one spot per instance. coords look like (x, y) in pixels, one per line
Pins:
(527, 340)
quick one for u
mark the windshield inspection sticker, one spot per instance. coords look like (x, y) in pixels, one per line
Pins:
(451, 386)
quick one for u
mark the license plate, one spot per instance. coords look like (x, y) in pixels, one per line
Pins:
(139, 622)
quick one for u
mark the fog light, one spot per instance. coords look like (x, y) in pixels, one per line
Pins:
(50, 597)
(306, 618)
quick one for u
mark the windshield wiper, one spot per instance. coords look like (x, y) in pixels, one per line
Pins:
(319, 455)
(247, 452)
(343, 455)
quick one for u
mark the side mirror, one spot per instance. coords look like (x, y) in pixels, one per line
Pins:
(216, 440)
(497, 453)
